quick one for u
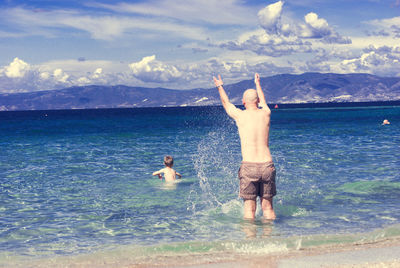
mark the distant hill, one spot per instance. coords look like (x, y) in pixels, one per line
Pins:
(284, 88)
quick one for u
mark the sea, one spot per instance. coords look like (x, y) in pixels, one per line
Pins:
(79, 182)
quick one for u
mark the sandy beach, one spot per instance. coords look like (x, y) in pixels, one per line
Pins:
(383, 253)
(380, 254)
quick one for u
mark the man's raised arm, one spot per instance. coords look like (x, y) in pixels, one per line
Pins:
(260, 93)
(228, 106)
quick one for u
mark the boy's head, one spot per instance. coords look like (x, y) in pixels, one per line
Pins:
(168, 161)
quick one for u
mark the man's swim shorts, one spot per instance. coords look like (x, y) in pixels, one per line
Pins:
(257, 179)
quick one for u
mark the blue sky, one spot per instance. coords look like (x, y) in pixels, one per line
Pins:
(181, 44)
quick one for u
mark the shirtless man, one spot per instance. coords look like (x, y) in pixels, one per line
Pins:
(257, 172)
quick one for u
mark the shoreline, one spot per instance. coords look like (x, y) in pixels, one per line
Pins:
(385, 253)
(382, 253)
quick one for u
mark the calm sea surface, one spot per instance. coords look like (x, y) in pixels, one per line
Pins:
(80, 181)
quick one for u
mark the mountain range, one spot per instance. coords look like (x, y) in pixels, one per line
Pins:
(283, 88)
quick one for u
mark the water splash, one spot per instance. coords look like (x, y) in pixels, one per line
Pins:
(216, 164)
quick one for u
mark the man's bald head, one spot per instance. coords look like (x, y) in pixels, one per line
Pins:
(250, 96)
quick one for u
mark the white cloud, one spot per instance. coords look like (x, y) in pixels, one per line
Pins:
(60, 75)
(386, 29)
(279, 39)
(231, 70)
(269, 17)
(97, 73)
(318, 29)
(76, 67)
(20, 76)
(325, 59)
(151, 70)
(262, 43)
(360, 42)
(17, 68)
(100, 27)
(228, 12)
(44, 75)
(83, 81)
(96, 77)
(384, 61)
(385, 23)
(147, 72)
(315, 27)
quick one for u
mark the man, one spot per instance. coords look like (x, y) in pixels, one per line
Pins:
(257, 171)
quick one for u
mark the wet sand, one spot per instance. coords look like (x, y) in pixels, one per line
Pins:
(380, 254)
(384, 253)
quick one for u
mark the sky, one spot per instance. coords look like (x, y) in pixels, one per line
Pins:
(182, 44)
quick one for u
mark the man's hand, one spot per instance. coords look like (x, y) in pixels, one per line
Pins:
(260, 93)
(218, 82)
(230, 109)
(257, 79)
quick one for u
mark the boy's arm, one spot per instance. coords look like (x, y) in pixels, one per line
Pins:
(179, 175)
(260, 93)
(158, 173)
(230, 109)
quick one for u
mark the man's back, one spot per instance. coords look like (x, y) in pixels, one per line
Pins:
(253, 126)
(257, 171)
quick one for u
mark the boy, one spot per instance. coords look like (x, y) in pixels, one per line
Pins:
(169, 173)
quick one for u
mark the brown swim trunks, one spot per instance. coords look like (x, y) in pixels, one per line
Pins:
(257, 179)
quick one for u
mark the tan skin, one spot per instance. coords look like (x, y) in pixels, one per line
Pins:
(253, 126)
(169, 174)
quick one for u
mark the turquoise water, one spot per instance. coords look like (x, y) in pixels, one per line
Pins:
(80, 181)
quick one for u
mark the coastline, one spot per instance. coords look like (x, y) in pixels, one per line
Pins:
(384, 252)
(281, 106)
